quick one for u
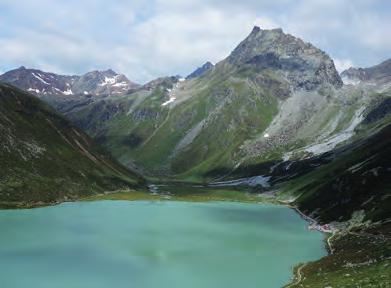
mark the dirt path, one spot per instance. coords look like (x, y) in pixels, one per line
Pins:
(157, 129)
(329, 243)
(299, 276)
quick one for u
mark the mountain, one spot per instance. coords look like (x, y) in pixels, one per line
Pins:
(200, 70)
(63, 91)
(92, 83)
(38, 82)
(275, 113)
(45, 159)
(379, 74)
(272, 95)
(103, 83)
(299, 63)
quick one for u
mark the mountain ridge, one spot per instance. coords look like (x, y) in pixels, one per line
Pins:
(379, 74)
(105, 82)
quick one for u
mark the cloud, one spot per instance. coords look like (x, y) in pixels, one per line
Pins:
(146, 39)
(343, 64)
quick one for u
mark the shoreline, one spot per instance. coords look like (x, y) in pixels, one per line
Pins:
(329, 234)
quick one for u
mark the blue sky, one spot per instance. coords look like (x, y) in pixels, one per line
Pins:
(147, 39)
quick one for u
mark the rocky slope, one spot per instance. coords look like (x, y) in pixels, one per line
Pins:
(46, 159)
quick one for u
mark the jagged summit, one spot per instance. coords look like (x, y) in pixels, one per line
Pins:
(257, 29)
(201, 70)
(301, 63)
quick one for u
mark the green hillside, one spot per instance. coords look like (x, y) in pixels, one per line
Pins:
(44, 158)
(353, 194)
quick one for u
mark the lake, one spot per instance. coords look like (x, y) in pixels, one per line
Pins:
(153, 244)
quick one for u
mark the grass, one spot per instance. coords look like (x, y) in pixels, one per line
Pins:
(184, 193)
(359, 260)
(233, 107)
(44, 158)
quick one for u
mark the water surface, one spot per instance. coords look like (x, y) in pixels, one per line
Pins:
(153, 244)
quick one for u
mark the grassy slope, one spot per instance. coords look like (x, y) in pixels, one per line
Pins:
(231, 107)
(44, 158)
(186, 193)
(358, 178)
(359, 259)
(353, 188)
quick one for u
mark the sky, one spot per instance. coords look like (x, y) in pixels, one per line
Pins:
(145, 39)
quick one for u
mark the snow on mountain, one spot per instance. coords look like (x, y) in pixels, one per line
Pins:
(41, 83)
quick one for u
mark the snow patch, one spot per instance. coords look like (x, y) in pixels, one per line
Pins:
(171, 92)
(112, 81)
(40, 79)
(120, 84)
(172, 99)
(33, 90)
(67, 92)
(108, 81)
(251, 181)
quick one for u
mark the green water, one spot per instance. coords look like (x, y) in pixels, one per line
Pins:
(153, 244)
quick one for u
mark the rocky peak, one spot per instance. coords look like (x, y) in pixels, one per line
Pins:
(41, 83)
(301, 63)
(378, 74)
(201, 70)
(110, 72)
(38, 82)
(105, 82)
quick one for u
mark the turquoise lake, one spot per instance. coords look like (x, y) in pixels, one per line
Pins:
(123, 244)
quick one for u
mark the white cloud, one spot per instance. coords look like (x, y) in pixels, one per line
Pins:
(343, 64)
(145, 39)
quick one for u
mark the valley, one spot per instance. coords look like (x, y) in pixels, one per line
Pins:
(274, 122)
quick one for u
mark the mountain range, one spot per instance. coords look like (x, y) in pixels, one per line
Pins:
(274, 98)
(275, 115)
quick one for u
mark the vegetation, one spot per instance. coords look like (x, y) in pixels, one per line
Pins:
(46, 159)
(185, 193)
(359, 259)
